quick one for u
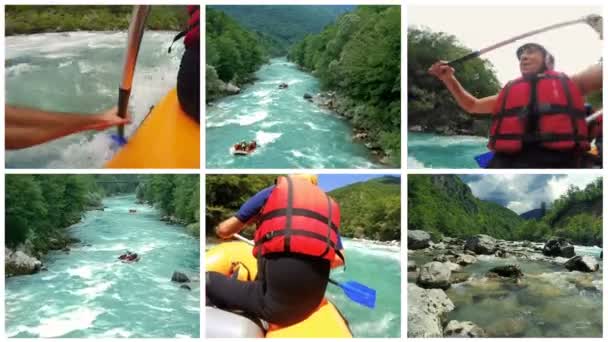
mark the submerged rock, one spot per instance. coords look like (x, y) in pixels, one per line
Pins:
(481, 244)
(411, 266)
(434, 275)
(463, 329)
(186, 287)
(19, 263)
(584, 263)
(179, 277)
(507, 271)
(459, 277)
(426, 310)
(558, 247)
(418, 239)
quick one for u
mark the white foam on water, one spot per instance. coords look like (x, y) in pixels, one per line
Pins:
(414, 163)
(116, 333)
(246, 120)
(94, 291)
(315, 127)
(18, 69)
(378, 327)
(79, 319)
(157, 308)
(85, 272)
(265, 138)
(263, 93)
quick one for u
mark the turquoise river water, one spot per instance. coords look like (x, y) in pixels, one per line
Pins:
(89, 293)
(290, 131)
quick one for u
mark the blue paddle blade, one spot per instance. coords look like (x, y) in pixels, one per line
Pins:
(483, 160)
(359, 293)
(121, 141)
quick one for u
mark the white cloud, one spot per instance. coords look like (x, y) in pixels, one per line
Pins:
(521, 193)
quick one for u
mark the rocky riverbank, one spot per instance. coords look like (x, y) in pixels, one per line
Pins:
(458, 275)
(348, 109)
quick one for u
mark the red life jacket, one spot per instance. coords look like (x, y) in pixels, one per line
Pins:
(193, 33)
(298, 217)
(548, 110)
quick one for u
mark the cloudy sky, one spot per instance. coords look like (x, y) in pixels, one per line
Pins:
(522, 193)
(574, 47)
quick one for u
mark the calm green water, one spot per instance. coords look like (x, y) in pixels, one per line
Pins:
(80, 72)
(290, 131)
(376, 266)
(427, 150)
(548, 302)
(89, 293)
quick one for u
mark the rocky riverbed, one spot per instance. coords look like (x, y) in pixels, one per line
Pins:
(485, 287)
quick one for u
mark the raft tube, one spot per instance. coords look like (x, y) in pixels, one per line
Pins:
(232, 258)
(167, 138)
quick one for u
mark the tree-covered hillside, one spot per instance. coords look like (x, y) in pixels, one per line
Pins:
(445, 205)
(233, 53)
(282, 26)
(27, 19)
(371, 209)
(359, 58)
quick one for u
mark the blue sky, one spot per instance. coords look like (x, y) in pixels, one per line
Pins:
(334, 181)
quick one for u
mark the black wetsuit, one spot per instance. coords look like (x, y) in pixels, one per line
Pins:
(288, 289)
(188, 81)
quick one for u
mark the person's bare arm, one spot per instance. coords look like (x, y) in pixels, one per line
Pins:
(589, 80)
(465, 100)
(26, 127)
(229, 227)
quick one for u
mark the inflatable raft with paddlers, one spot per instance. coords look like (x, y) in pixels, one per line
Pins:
(244, 148)
(235, 259)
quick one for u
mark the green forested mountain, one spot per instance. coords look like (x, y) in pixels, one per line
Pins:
(26, 19)
(371, 209)
(430, 104)
(233, 53)
(282, 26)
(444, 204)
(40, 207)
(176, 196)
(359, 57)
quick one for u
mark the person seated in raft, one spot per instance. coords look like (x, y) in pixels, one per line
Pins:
(543, 128)
(296, 245)
(252, 145)
(188, 76)
(26, 127)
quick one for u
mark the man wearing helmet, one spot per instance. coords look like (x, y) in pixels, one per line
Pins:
(538, 119)
(296, 244)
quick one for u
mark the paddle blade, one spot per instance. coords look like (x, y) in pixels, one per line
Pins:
(359, 293)
(483, 160)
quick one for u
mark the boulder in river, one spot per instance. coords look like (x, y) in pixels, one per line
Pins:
(454, 267)
(585, 263)
(463, 329)
(481, 244)
(465, 259)
(179, 277)
(411, 266)
(506, 271)
(307, 96)
(19, 263)
(418, 239)
(459, 277)
(558, 247)
(434, 275)
(425, 311)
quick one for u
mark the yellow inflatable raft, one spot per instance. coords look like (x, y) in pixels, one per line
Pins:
(168, 139)
(232, 258)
